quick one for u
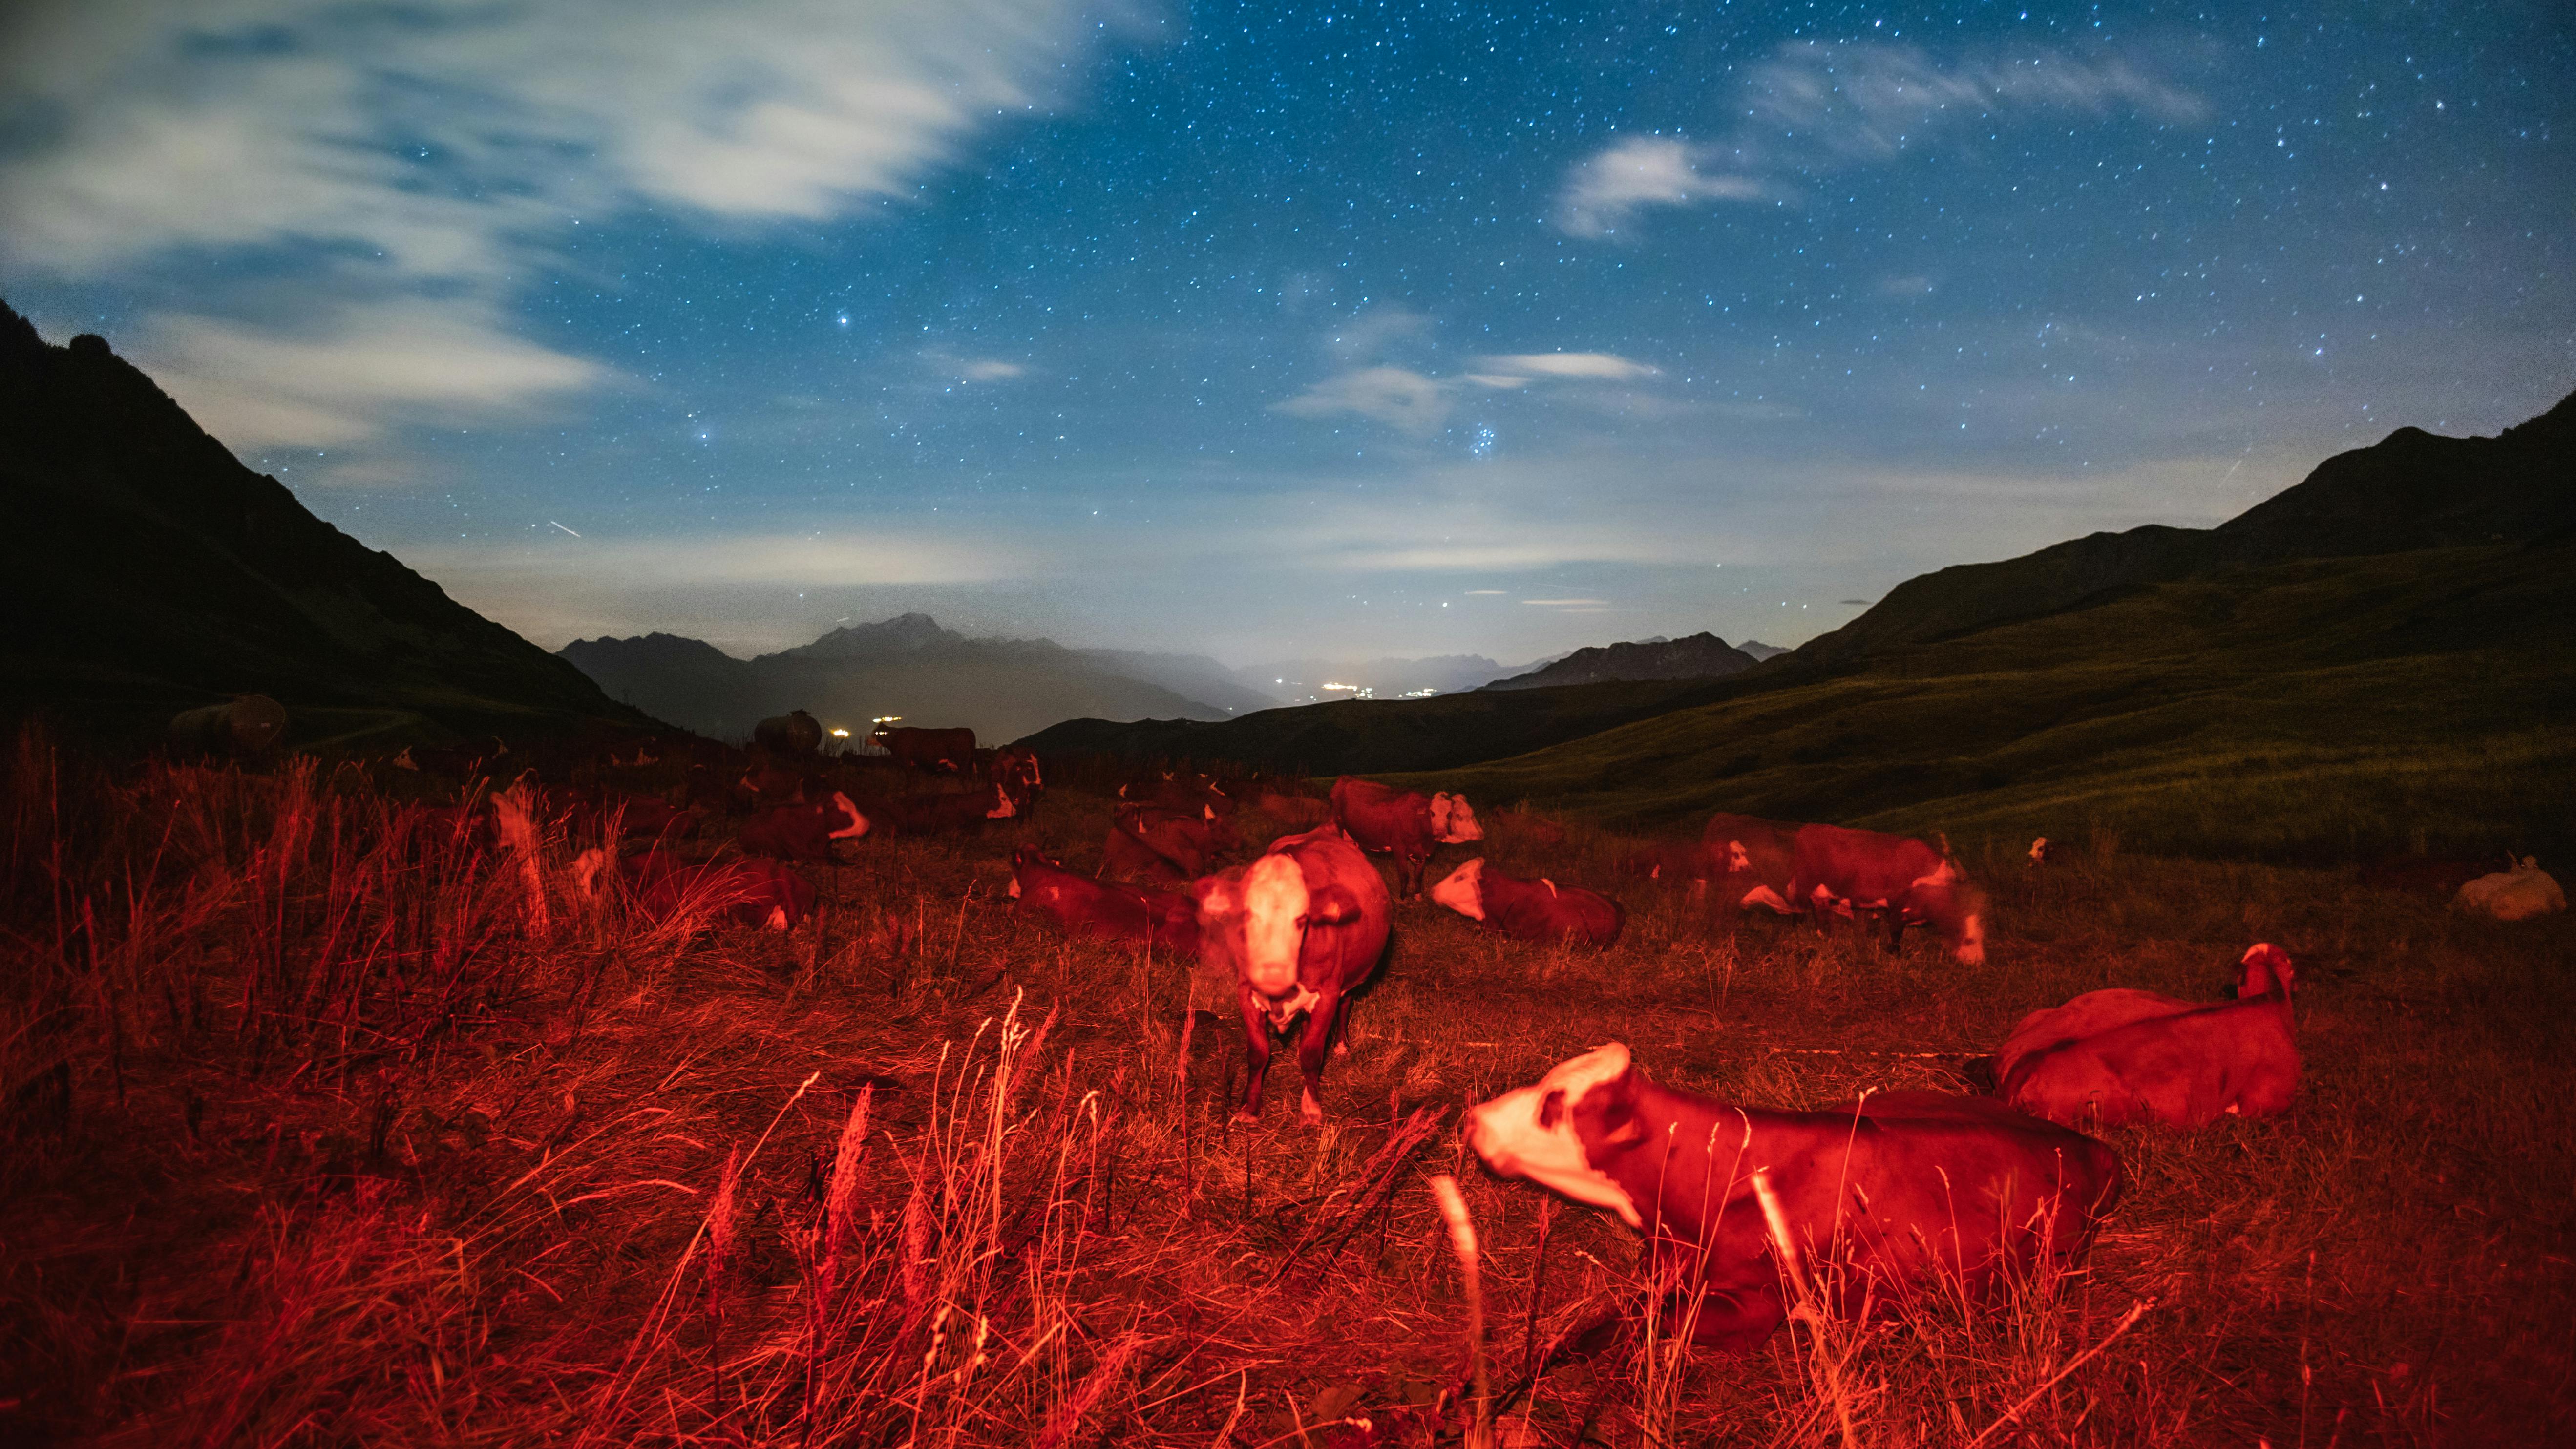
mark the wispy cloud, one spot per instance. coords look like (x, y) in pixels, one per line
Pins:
(1818, 106)
(1601, 365)
(436, 155)
(1402, 399)
(1566, 603)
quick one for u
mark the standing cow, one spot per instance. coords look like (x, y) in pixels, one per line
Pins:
(1404, 823)
(2123, 1056)
(943, 752)
(1530, 910)
(1904, 878)
(1895, 1198)
(1298, 929)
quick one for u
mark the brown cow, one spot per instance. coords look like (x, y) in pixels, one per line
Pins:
(2124, 1056)
(1530, 910)
(803, 832)
(1905, 879)
(1898, 1196)
(943, 812)
(1015, 769)
(1083, 905)
(1298, 929)
(1753, 860)
(1404, 823)
(944, 751)
(1165, 845)
(748, 892)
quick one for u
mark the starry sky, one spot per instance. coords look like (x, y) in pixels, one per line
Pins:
(1262, 330)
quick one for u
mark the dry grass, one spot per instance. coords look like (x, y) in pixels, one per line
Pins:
(323, 1125)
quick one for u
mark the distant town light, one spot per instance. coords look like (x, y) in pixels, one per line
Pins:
(840, 734)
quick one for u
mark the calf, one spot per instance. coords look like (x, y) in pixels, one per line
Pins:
(1900, 1195)
(2132, 1056)
(1906, 879)
(748, 892)
(1530, 910)
(1404, 823)
(942, 751)
(1085, 906)
(803, 832)
(1163, 844)
(1298, 930)
(1754, 860)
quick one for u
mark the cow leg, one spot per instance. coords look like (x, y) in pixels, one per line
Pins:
(1895, 929)
(1413, 869)
(1323, 1023)
(1256, 1054)
(1342, 1029)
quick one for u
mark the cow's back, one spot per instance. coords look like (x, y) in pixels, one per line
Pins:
(1378, 817)
(2182, 1070)
(1861, 865)
(2091, 1014)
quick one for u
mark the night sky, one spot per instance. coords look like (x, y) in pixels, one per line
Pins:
(1259, 330)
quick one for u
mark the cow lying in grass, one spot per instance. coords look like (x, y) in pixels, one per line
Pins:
(1298, 930)
(1085, 906)
(2122, 1056)
(662, 886)
(803, 832)
(1530, 910)
(1160, 843)
(1899, 1196)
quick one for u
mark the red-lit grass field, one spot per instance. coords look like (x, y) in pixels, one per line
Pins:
(323, 1127)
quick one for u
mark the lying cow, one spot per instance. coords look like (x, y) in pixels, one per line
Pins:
(1753, 860)
(1904, 878)
(1530, 910)
(2517, 894)
(943, 812)
(803, 832)
(942, 751)
(1165, 845)
(1081, 905)
(1298, 930)
(2123, 1056)
(759, 893)
(1404, 823)
(1900, 1195)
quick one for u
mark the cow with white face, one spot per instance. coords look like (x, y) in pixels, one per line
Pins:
(1897, 1197)
(1530, 910)
(1298, 929)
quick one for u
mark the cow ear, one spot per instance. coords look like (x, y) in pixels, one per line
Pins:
(1331, 905)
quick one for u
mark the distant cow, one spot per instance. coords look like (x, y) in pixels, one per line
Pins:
(944, 751)
(748, 892)
(2123, 1056)
(943, 812)
(1904, 878)
(1015, 769)
(2517, 894)
(1298, 929)
(1404, 823)
(1899, 1197)
(249, 725)
(1162, 844)
(1530, 910)
(1082, 905)
(1754, 861)
(794, 734)
(803, 832)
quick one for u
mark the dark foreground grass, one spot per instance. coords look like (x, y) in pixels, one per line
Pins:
(325, 1128)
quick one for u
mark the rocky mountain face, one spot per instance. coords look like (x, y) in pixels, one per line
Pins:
(1700, 656)
(907, 666)
(145, 569)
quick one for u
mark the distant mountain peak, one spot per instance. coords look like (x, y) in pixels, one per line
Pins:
(1699, 656)
(902, 634)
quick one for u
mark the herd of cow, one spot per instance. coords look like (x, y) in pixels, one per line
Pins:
(1895, 1195)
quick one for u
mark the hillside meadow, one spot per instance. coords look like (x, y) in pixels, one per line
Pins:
(327, 1127)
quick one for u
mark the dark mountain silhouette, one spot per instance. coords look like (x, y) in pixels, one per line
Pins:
(147, 569)
(907, 666)
(2411, 490)
(1700, 656)
(1761, 651)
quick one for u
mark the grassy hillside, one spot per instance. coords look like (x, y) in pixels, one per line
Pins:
(2319, 709)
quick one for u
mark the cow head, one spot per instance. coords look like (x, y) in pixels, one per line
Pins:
(1956, 907)
(1004, 807)
(2263, 968)
(1463, 890)
(1453, 820)
(853, 824)
(1259, 917)
(1548, 1133)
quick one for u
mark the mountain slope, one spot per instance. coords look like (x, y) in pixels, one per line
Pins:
(1700, 656)
(148, 569)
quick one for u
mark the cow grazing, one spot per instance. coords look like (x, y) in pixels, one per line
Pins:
(803, 832)
(1403, 823)
(1298, 930)
(1165, 845)
(943, 751)
(1081, 905)
(249, 725)
(1904, 878)
(946, 812)
(2516, 894)
(1530, 910)
(759, 893)
(795, 735)
(1754, 860)
(1898, 1196)
(2124, 1056)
